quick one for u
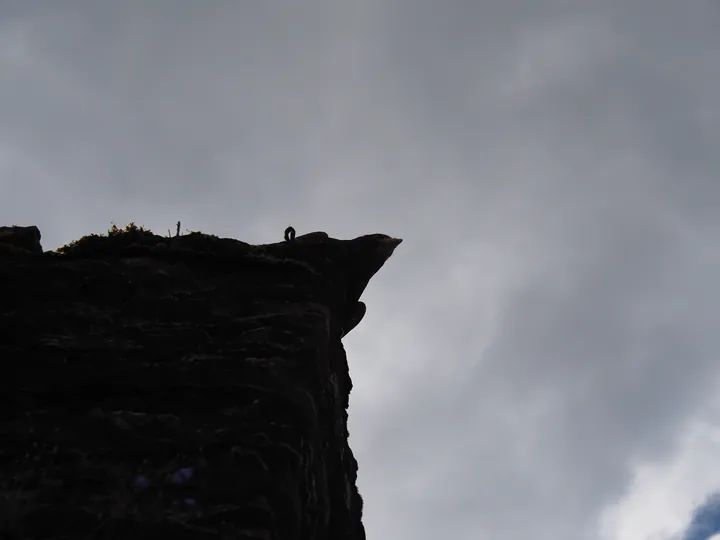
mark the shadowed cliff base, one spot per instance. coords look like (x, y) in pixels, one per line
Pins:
(182, 387)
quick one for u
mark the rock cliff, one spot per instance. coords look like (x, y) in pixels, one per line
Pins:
(179, 387)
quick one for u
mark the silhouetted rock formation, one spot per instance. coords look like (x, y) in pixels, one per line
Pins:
(186, 387)
(27, 238)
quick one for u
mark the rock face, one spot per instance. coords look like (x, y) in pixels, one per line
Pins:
(27, 238)
(187, 387)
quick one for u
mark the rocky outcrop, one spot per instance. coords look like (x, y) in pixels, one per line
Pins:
(187, 387)
(16, 237)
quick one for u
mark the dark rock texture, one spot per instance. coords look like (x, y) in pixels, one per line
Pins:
(187, 387)
(15, 237)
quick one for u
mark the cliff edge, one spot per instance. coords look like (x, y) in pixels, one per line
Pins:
(184, 387)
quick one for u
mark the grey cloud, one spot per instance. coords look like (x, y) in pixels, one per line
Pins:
(551, 168)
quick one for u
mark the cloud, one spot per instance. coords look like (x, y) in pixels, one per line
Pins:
(705, 521)
(663, 494)
(548, 327)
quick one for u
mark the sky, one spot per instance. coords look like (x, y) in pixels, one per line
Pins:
(539, 359)
(705, 521)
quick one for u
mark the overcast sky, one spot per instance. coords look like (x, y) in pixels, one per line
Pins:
(539, 359)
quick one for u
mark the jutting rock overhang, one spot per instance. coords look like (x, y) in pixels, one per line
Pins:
(186, 386)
